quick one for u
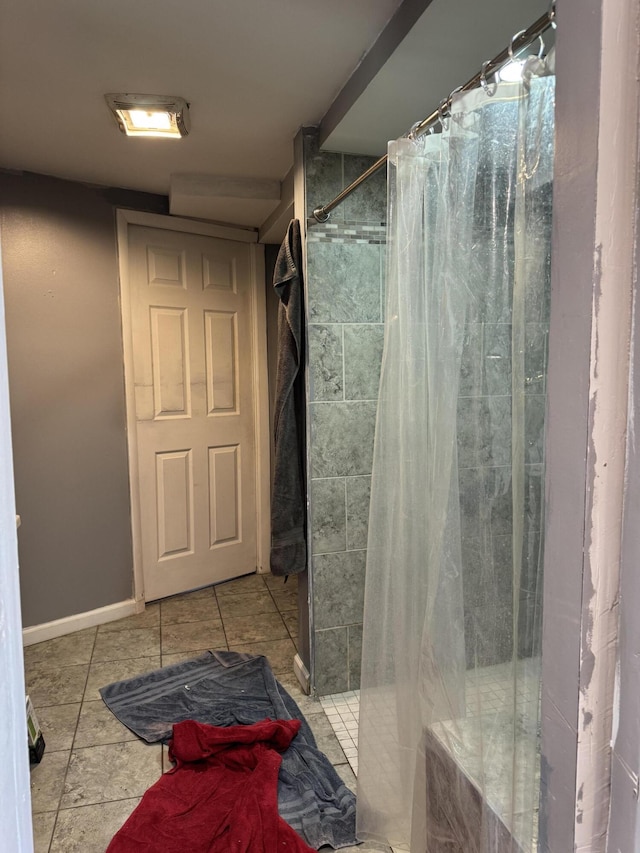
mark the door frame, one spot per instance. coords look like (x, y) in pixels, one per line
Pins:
(125, 218)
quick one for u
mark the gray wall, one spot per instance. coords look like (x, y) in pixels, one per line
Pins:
(67, 392)
(345, 259)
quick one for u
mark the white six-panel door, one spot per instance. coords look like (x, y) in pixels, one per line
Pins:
(190, 312)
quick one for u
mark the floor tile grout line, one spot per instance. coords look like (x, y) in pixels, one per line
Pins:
(160, 637)
(259, 612)
(275, 601)
(241, 577)
(89, 805)
(53, 828)
(217, 603)
(224, 630)
(73, 739)
(291, 637)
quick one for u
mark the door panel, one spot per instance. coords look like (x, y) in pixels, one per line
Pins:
(222, 357)
(170, 364)
(225, 522)
(174, 482)
(194, 398)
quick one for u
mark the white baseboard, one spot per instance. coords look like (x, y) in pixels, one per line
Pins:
(302, 674)
(60, 627)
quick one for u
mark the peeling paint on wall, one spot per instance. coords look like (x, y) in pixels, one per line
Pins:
(608, 400)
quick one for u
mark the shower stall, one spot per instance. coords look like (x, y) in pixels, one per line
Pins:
(449, 705)
(450, 716)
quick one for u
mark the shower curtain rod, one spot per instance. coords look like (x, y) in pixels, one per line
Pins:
(518, 42)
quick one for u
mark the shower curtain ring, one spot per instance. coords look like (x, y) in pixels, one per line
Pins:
(513, 39)
(551, 14)
(489, 92)
(413, 134)
(443, 108)
(448, 103)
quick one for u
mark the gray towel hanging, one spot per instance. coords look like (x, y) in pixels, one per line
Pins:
(288, 516)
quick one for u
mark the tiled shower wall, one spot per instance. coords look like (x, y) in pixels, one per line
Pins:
(485, 455)
(345, 275)
(345, 259)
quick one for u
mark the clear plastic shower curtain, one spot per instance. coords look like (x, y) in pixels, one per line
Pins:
(448, 738)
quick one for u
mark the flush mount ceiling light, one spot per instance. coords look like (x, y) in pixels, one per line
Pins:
(150, 115)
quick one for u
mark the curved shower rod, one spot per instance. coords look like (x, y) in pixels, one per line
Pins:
(518, 42)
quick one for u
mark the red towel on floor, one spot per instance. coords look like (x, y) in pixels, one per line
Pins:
(221, 796)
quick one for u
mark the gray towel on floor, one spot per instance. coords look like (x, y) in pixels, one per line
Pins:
(288, 542)
(231, 688)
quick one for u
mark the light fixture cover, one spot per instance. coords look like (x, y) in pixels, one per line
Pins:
(164, 116)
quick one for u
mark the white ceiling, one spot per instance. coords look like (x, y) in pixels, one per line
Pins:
(253, 71)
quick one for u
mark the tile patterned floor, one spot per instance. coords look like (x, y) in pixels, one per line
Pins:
(343, 712)
(94, 771)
